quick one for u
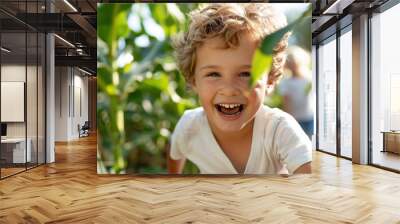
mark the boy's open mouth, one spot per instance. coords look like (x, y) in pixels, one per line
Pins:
(229, 109)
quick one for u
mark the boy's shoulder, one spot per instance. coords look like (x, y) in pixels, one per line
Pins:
(280, 123)
(274, 118)
(191, 120)
(193, 115)
(274, 114)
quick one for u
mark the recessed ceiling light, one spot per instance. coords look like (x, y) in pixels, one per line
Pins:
(5, 50)
(71, 6)
(64, 40)
(337, 7)
(84, 71)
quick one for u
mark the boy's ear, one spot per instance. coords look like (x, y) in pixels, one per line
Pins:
(192, 84)
(194, 88)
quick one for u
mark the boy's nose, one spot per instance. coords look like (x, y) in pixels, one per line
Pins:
(230, 89)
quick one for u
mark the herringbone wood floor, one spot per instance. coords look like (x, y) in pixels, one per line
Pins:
(70, 191)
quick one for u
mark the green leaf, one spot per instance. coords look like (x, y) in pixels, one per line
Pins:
(112, 20)
(260, 65)
(111, 90)
(159, 82)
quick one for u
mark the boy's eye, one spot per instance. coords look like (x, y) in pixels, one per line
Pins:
(213, 74)
(244, 74)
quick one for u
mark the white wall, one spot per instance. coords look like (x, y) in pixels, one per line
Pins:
(71, 93)
(61, 103)
(12, 73)
(33, 127)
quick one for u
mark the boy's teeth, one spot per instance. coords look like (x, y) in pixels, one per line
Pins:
(229, 105)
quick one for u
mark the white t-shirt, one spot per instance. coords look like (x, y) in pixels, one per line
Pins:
(277, 141)
(301, 100)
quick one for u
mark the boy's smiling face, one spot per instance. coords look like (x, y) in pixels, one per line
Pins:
(221, 79)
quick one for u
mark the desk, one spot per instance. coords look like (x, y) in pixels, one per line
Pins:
(391, 141)
(16, 147)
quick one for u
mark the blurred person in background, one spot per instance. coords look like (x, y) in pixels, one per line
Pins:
(296, 89)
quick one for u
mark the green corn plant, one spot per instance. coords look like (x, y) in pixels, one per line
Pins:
(141, 100)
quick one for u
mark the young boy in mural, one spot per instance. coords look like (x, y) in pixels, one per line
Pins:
(234, 132)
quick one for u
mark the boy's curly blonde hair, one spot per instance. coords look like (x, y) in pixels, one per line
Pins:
(229, 21)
